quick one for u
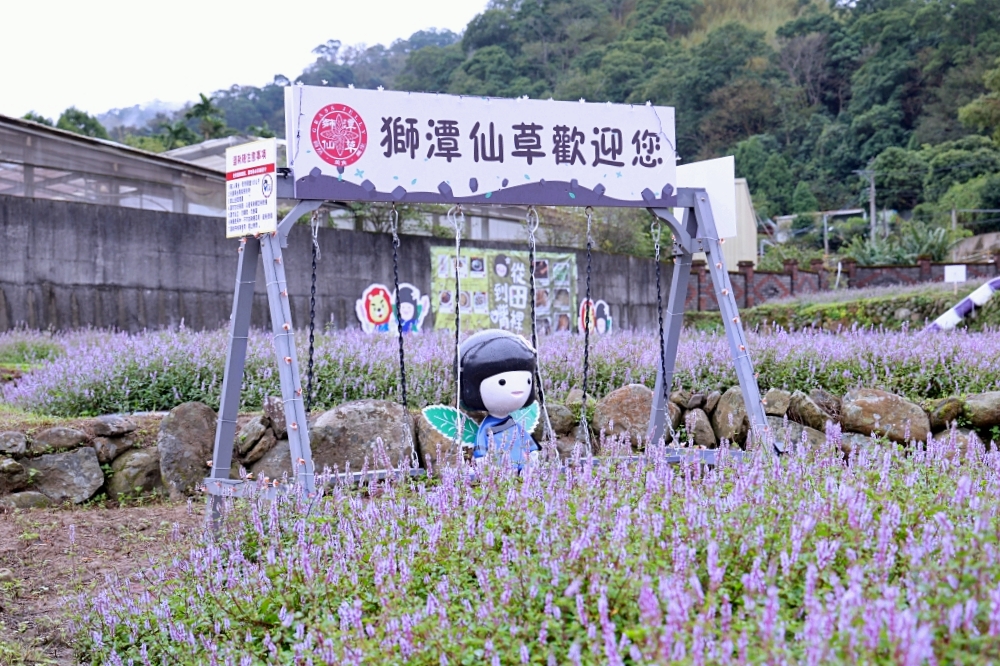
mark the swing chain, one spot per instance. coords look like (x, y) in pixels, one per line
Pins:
(532, 221)
(314, 224)
(456, 216)
(584, 425)
(654, 229)
(393, 227)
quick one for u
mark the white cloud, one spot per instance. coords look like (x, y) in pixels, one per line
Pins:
(104, 54)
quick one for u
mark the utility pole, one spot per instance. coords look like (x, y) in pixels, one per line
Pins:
(870, 175)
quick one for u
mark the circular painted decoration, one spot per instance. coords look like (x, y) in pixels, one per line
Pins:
(339, 135)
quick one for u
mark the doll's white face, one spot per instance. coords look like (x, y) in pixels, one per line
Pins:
(506, 392)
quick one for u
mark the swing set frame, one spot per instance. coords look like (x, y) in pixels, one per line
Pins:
(695, 231)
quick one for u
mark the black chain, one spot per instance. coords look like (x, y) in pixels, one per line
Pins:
(586, 326)
(312, 314)
(659, 311)
(399, 316)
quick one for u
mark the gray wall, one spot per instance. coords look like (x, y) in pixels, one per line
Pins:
(70, 265)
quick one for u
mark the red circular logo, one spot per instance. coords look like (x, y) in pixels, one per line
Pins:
(339, 135)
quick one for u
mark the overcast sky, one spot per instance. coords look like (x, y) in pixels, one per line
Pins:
(103, 54)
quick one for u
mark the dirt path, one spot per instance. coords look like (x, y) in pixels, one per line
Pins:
(49, 554)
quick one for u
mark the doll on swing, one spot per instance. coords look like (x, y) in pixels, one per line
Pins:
(497, 377)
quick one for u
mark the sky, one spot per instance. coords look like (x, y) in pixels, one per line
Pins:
(103, 54)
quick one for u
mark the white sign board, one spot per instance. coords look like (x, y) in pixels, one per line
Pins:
(370, 145)
(251, 201)
(718, 177)
(954, 273)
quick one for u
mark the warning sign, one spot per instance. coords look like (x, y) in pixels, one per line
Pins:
(251, 202)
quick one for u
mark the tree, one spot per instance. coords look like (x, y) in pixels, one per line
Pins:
(80, 122)
(429, 69)
(177, 135)
(983, 113)
(899, 178)
(209, 118)
(38, 118)
(803, 200)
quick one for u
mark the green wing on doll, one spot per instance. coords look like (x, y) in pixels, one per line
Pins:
(446, 419)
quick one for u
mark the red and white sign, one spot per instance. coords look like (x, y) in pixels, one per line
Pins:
(339, 135)
(251, 199)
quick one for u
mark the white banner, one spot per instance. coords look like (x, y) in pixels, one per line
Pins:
(369, 145)
(251, 202)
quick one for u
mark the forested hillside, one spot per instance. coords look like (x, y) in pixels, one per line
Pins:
(804, 94)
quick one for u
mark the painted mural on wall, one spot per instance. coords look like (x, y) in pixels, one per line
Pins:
(495, 289)
(376, 309)
(600, 316)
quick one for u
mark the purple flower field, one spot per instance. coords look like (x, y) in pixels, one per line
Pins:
(103, 372)
(892, 557)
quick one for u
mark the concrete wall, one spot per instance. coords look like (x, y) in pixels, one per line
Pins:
(71, 265)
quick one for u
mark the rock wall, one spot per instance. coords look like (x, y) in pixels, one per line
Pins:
(71, 465)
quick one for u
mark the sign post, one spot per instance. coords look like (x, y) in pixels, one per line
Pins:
(955, 274)
(251, 197)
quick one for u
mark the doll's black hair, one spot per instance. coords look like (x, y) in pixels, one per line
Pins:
(602, 312)
(489, 353)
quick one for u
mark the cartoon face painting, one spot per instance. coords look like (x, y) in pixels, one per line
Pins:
(377, 306)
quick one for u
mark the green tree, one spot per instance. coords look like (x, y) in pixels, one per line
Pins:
(899, 178)
(80, 122)
(983, 113)
(429, 69)
(38, 118)
(209, 118)
(803, 200)
(177, 135)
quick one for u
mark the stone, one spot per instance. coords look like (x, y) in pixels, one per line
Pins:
(803, 409)
(56, 439)
(561, 418)
(851, 441)
(902, 314)
(13, 444)
(788, 435)
(696, 401)
(13, 476)
(867, 410)
(983, 409)
(776, 402)
(711, 400)
(185, 443)
(251, 433)
(348, 433)
(112, 425)
(274, 410)
(436, 449)
(109, 448)
(6, 576)
(574, 399)
(828, 402)
(680, 397)
(699, 429)
(72, 476)
(730, 420)
(626, 410)
(275, 463)
(29, 499)
(963, 438)
(942, 412)
(135, 472)
(264, 444)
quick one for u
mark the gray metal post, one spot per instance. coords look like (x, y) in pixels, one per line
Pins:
(239, 328)
(673, 320)
(288, 367)
(709, 239)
